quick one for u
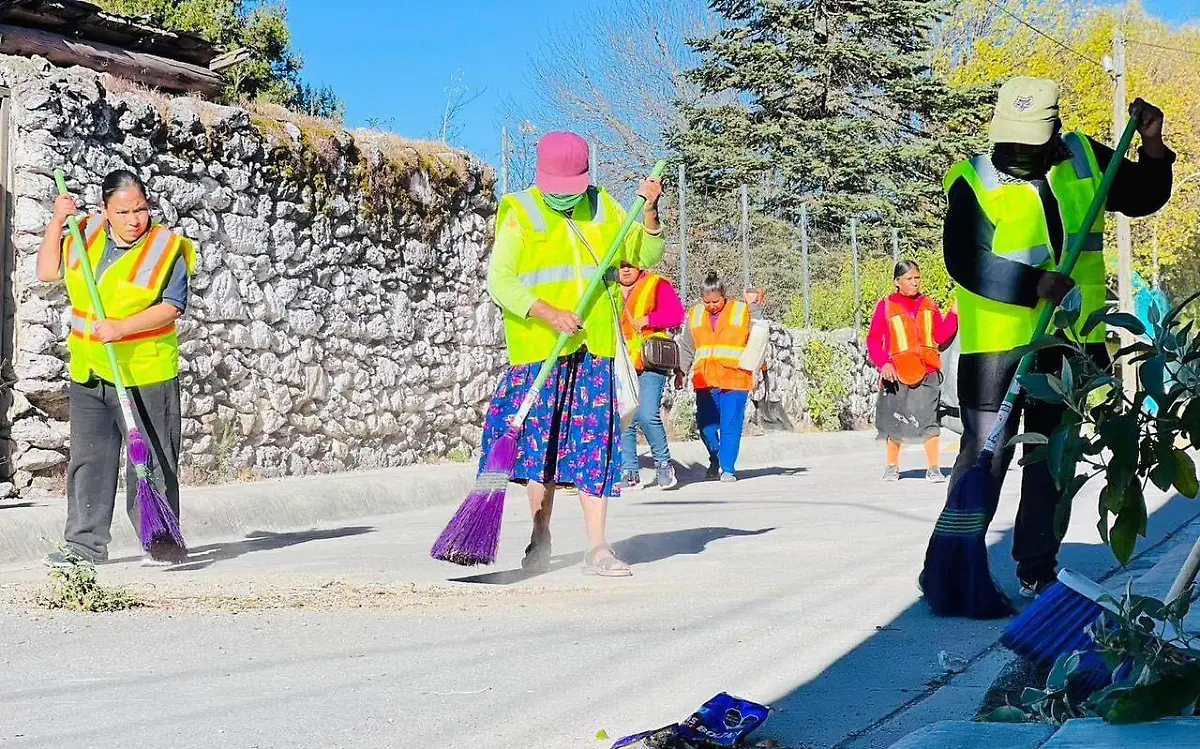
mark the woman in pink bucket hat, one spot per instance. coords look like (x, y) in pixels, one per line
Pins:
(550, 240)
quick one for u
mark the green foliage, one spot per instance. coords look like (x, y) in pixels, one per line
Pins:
(273, 70)
(826, 368)
(75, 588)
(833, 296)
(833, 105)
(683, 417)
(1158, 671)
(1109, 433)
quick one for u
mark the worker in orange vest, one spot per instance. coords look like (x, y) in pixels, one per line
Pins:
(652, 308)
(904, 343)
(711, 346)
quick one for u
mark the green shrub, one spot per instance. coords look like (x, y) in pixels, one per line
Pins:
(826, 369)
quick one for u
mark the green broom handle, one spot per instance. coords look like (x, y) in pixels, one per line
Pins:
(589, 295)
(90, 280)
(1074, 250)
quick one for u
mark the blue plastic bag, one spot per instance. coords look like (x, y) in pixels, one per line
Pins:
(724, 721)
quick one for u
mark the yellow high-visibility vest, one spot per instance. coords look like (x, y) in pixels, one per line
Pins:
(1022, 235)
(130, 285)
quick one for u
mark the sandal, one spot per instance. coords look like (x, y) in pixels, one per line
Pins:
(607, 566)
(537, 554)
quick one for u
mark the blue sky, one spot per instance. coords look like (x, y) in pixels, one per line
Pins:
(391, 60)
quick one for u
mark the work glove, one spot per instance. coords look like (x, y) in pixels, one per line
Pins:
(1054, 287)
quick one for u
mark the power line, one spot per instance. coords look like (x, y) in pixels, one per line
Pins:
(1038, 31)
(1161, 46)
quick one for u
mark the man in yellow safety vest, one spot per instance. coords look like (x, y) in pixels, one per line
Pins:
(1010, 214)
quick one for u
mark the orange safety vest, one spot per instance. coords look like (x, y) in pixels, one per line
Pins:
(913, 350)
(638, 304)
(718, 351)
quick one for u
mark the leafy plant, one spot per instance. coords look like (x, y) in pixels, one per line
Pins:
(1156, 669)
(77, 589)
(1132, 440)
(826, 367)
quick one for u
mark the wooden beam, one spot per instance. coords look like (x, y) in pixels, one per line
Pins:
(151, 70)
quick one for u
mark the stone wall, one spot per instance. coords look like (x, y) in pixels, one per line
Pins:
(337, 319)
(815, 381)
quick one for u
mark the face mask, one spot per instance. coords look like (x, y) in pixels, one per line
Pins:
(1022, 164)
(562, 203)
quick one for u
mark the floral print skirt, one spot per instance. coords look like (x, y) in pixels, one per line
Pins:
(572, 435)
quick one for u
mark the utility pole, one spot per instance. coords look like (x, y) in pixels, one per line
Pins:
(854, 254)
(504, 160)
(593, 164)
(804, 265)
(745, 239)
(683, 275)
(895, 245)
(1124, 235)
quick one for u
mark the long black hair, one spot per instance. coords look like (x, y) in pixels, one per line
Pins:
(118, 180)
(903, 268)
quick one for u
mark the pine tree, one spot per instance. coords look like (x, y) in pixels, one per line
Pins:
(836, 107)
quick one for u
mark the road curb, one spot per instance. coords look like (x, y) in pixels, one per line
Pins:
(29, 528)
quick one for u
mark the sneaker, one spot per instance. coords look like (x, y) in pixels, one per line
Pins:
(891, 473)
(935, 476)
(631, 480)
(728, 478)
(665, 476)
(64, 558)
(1035, 588)
(714, 470)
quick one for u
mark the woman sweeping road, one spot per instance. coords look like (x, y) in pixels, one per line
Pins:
(903, 341)
(142, 272)
(549, 241)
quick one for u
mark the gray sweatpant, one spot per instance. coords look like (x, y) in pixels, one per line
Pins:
(97, 439)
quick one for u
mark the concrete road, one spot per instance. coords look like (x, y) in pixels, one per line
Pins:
(795, 586)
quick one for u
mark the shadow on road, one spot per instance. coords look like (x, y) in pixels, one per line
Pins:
(912, 642)
(640, 549)
(205, 556)
(16, 505)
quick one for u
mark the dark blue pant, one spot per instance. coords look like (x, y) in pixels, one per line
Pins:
(719, 415)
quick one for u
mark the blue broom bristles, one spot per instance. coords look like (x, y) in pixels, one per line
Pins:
(1057, 624)
(956, 580)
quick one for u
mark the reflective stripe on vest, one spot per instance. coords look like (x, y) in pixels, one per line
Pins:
(639, 304)
(91, 227)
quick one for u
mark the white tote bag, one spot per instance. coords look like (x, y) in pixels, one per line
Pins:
(755, 352)
(625, 375)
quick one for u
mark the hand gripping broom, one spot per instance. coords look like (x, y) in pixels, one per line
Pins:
(473, 534)
(158, 528)
(956, 580)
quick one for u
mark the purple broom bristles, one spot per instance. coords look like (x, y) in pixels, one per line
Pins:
(158, 528)
(473, 534)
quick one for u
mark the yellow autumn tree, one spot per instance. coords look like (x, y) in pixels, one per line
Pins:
(989, 41)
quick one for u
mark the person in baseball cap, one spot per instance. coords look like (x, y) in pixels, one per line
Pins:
(550, 240)
(1009, 215)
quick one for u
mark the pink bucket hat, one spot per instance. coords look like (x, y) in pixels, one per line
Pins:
(562, 164)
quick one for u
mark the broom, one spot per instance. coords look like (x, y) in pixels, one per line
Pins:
(158, 528)
(1057, 623)
(473, 534)
(956, 579)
